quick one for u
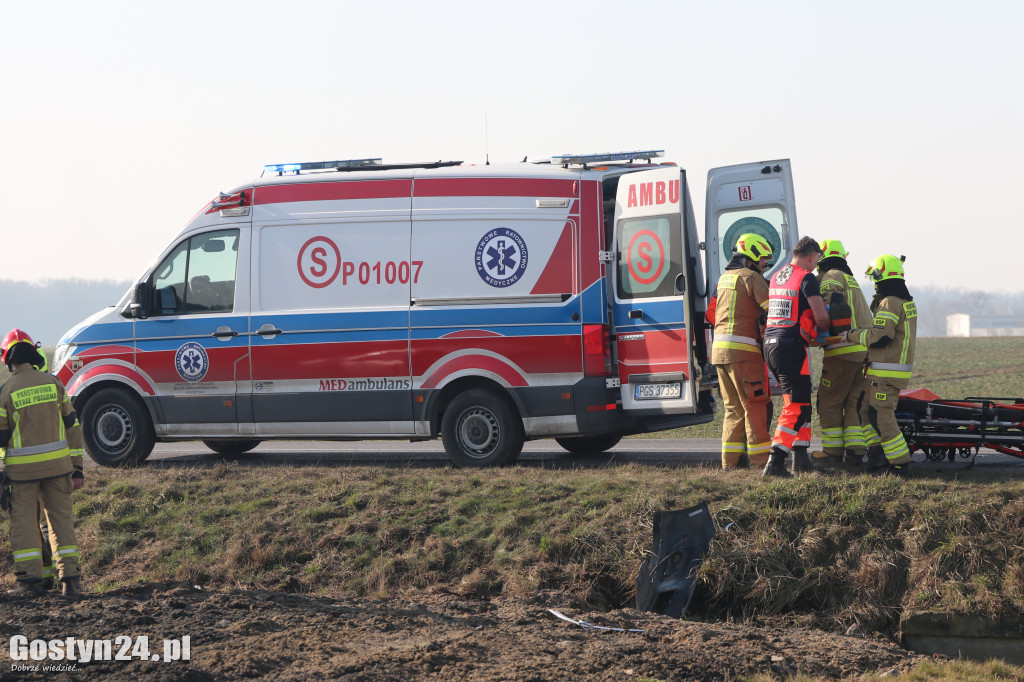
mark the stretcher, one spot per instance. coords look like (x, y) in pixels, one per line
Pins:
(945, 429)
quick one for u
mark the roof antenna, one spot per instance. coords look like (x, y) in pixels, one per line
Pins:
(487, 152)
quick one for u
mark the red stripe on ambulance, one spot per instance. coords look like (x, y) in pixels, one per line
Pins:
(495, 187)
(476, 362)
(533, 354)
(333, 191)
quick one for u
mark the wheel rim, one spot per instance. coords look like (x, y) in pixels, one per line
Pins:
(113, 428)
(478, 432)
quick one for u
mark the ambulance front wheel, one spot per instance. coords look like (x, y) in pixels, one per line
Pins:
(589, 445)
(116, 428)
(481, 428)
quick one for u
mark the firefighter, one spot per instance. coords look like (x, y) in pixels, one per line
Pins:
(43, 462)
(796, 318)
(890, 341)
(842, 408)
(738, 312)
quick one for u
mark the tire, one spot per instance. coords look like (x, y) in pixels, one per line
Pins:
(481, 428)
(116, 428)
(231, 447)
(584, 446)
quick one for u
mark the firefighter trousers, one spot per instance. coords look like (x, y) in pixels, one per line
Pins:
(842, 407)
(55, 494)
(44, 543)
(882, 397)
(745, 396)
(789, 361)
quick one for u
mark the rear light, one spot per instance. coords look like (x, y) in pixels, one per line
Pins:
(597, 350)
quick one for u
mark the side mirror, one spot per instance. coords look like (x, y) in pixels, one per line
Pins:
(136, 308)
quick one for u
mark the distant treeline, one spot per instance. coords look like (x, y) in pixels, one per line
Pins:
(47, 310)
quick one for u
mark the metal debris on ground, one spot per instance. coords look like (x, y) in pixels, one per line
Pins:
(588, 626)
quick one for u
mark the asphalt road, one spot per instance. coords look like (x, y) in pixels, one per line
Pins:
(668, 452)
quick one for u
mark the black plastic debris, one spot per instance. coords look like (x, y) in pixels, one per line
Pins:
(666, 579)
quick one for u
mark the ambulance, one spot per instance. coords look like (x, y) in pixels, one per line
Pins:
(485, 304)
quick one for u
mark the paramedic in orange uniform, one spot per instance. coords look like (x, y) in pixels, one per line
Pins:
(796, 318)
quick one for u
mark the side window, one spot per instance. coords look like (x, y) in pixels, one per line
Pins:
(650, 257)
(169, 283)
(198, 276)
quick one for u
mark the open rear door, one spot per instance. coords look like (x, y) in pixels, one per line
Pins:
(652, 332)
(751, 197)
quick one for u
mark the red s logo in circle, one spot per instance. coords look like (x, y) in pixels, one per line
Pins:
(641, 260)
(319, 262)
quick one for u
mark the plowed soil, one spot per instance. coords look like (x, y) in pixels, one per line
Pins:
(261, 634)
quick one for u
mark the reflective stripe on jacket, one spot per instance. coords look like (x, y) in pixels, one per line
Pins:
(742, 298)
(895, 319)
(33, 409)
(838, 282)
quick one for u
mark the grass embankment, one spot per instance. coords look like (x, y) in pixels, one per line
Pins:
(826, 552)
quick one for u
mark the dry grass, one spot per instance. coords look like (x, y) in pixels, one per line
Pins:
(828, 552)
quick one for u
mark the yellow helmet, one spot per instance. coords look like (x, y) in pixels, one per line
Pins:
(886, 267)
(831, 248)
(753, 246)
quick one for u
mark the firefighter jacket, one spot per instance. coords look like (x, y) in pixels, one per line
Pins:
(838, 282)
(741, 304)
(39, 424)
(891, 338)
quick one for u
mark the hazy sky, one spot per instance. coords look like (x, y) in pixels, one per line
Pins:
(119, 120)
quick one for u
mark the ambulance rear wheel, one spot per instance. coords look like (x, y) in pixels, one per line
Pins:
(481, 428)
(589, 445)
(116, 428)
(231, 447)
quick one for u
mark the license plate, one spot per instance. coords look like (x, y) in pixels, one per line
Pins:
(657, 391)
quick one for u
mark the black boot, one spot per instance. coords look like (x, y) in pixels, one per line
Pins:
(801, 462)
(72, 587)
(744, 461)
(823, 461)
(874, 460)
(901, 470)
(27, 590)
(776, 467)
(852, 461)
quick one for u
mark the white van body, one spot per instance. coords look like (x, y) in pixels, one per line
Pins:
(347, 300)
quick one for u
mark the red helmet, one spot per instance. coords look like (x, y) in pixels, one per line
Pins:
(13, 338)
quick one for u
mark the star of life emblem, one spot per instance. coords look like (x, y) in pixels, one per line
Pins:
(501, 257)
(784, 274)
(191, 361)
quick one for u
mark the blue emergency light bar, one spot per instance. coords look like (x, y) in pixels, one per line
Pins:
(320, 165)
(588, 159)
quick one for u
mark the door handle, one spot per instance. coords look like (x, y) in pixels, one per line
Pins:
(224, 332)
(268, 330)
(636, 314)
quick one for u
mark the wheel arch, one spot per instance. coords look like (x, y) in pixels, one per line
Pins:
(88, 390)
(440, 399)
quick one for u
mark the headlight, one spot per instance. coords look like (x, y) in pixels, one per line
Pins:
(61, 354)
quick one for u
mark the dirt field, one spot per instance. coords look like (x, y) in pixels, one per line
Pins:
(257, 634)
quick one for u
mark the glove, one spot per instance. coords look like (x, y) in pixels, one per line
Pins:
(821, 339)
